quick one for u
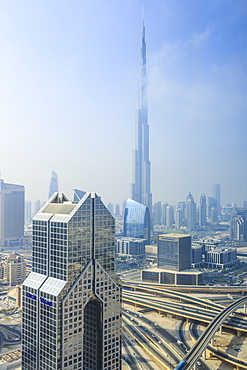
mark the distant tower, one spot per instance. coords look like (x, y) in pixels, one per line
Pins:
(238, 224)
(12, 213)
(178, 221)
(169, 217)
(216, 195)
(28, 211)
(53, 188)
(117, 210)
(141, 188)
(164, 206)
(110, 207)
(37, 206)
(191, 212)
(203, 211)
(157, 213)
(212, 203)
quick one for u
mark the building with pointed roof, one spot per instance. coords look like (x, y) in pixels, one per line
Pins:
(72, 298)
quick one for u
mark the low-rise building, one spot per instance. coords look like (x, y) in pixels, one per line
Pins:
(131, 247)
(220, 258)
(164, 276)
(13, 269)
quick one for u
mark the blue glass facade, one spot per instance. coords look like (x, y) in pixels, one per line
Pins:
(136, 220)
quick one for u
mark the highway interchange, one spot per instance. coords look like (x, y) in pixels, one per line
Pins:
(187, 307)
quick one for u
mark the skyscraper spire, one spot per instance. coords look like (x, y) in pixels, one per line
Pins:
(53, 188)
(141, 188)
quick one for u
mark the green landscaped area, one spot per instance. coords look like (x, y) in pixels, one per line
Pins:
(166, 231)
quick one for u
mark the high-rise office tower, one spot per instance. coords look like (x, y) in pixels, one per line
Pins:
(169, 217)
(117, 210)
(72, 298)
(28, 211)
(164, 206)
(12, 213)
(191, 212)
(182, 206)
(37, 206)
(238, 224)
(157, 213)
(216, 195)
(136, 220)
(141, 187)
(110, 207)
(53, 188)
(174, 252)
(178, 220)
(203, 211)
(212, 203)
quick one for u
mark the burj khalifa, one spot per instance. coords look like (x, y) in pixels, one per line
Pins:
(141, 187)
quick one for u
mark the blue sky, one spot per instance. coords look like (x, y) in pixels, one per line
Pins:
(68, 92)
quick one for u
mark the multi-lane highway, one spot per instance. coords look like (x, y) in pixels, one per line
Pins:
(196, 288)
(149, 296)
(238, 323)
(160, 344)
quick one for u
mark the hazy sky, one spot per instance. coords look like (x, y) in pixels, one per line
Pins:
(69, 73)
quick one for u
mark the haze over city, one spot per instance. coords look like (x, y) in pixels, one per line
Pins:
(69, 77)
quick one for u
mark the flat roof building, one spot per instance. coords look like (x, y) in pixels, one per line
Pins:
(164, 276)
(174, 251)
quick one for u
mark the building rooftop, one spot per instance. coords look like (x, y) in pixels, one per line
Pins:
(186, 272)
(173, 235)
(59, 208)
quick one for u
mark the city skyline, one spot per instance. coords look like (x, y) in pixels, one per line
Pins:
(69, 80)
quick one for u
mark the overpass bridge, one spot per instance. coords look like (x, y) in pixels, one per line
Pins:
(201, 344)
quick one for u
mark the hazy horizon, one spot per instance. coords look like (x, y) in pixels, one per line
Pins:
(69, 76)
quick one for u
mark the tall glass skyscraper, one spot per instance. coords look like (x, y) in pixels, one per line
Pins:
(136, 220)
(203, 211)
(72, 298)
(216, 195)
(141, 187)
(191, 212)
(53, 188)
(12, 210)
